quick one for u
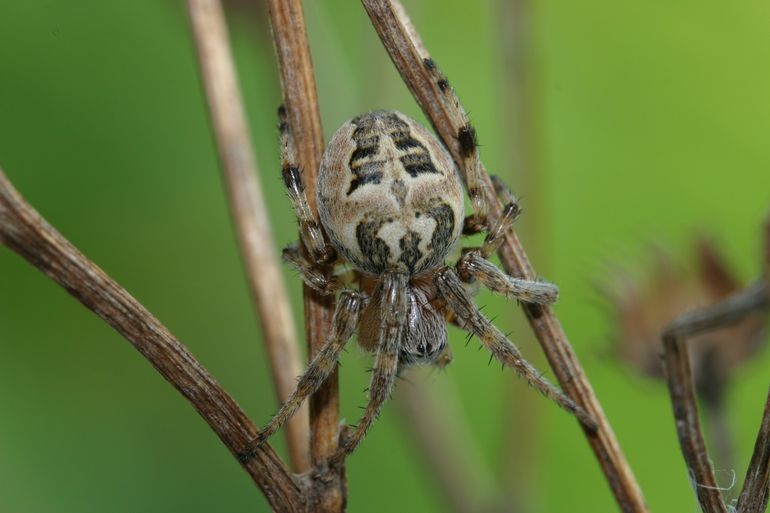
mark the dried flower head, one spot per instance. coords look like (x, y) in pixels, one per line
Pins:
(643, 307)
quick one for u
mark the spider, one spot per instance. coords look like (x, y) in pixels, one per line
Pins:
(390, 200)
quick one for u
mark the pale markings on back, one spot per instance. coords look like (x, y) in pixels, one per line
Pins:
(390, 195)
(366, 162)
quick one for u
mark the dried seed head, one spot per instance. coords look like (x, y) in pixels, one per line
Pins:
(642, 308)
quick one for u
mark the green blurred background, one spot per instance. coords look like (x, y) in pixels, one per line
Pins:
(648, 121)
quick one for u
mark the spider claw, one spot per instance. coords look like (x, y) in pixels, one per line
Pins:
(250, 451)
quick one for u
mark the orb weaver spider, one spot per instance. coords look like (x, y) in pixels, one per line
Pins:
(390, 204)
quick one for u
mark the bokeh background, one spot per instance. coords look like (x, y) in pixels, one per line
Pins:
(638, 123)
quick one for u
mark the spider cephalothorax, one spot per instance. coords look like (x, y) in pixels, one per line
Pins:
(390, 201)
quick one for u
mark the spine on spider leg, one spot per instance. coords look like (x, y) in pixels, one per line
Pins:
(452, 290)
(393, 301)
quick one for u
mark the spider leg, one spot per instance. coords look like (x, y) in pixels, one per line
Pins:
(473, 266)
(504, 194)
(460, 302)
(506, 198)
(309, 225)
(468, 146)
(496, 234)
(323, 364)
(393, 301)
(313, 275)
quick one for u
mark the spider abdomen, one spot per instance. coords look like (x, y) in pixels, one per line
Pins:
(389, 195)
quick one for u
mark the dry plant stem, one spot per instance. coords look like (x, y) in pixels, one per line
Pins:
(249, 214)
(437, 423)
(522, 134)
(756, 487)
(301, 101)
(24, 231)
(682, 389)
(521, 139)
(717, 418)
(409, 56)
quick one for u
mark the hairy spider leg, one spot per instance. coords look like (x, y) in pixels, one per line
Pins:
(474, 265)
(472, 320)
(511, 212)
(393, 300)
(344, 324)
(310, 231)
(313, 275)
(496, 233)
(504, 194)
(468, 145)
(447, 280)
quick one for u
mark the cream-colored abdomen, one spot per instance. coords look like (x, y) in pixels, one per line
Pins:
(389, 195)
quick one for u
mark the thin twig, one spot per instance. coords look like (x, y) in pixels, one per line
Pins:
(682, 388)
(720, 435)
(731, 310)
(756, 487)
(301, 102)
(410, 57)
(521, 142)
(449, 451)
(522, 131)
(24, 231)
(247, 207)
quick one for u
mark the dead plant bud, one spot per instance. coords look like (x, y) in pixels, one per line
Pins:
(643, 306)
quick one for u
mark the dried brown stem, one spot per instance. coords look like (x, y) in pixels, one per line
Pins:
(24, 231)
(521, 139)
(717, 418)
(682, 388)
(409, 56)
(301, 102)
(247, 207)
(731, 310)
(756, 487)
(441, 437)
